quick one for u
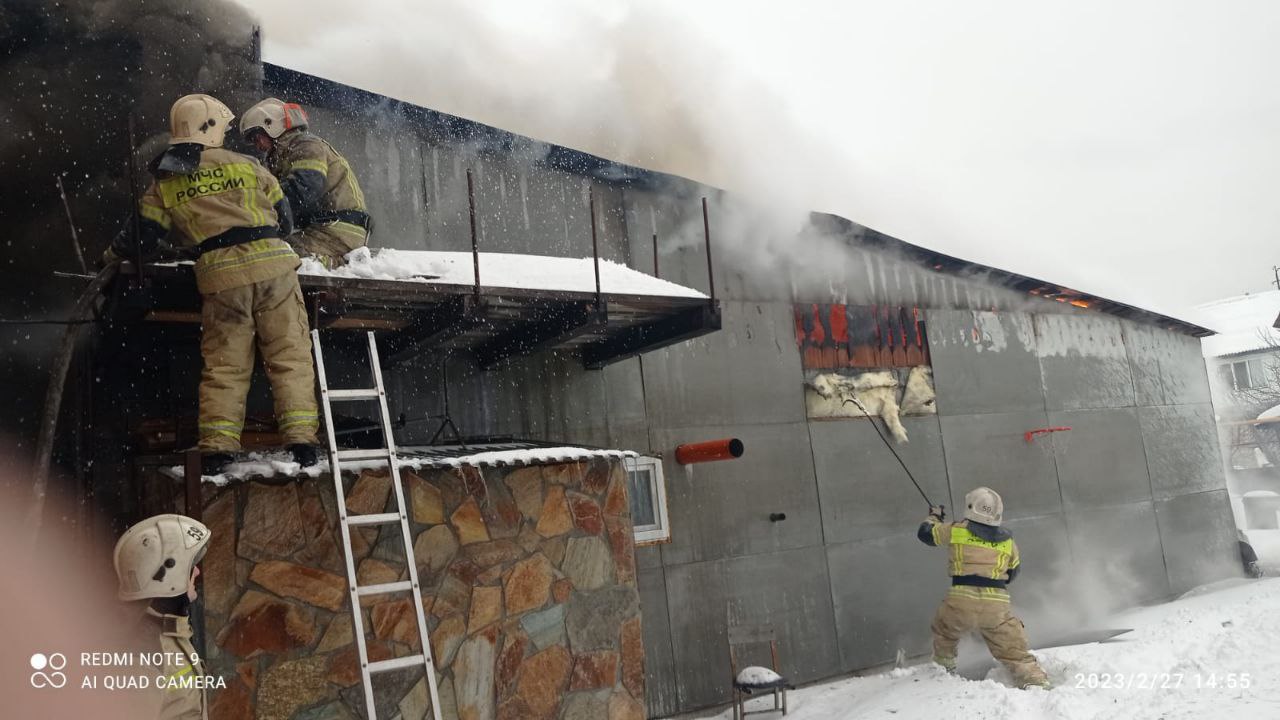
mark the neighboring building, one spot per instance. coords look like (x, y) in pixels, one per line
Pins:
(813, 531)
(1244, 376)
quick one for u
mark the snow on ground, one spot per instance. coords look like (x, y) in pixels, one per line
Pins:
(1266, 543)
(1211, 654)
(507, 270)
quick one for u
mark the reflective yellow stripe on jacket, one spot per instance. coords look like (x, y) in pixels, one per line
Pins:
(962, 538)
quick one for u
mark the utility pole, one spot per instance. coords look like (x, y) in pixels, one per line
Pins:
(1276, 282)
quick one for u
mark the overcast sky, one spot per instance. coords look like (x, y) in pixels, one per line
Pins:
(1127, 149)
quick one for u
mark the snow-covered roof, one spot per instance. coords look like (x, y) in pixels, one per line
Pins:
(499, 270)
(262, 465)
(1244, 323)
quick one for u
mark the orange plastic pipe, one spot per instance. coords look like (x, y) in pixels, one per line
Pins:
(709, 451)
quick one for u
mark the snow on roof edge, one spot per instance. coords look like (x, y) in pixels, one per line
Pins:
(278, 464)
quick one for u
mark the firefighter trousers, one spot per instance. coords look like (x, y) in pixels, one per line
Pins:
(328, 242)
(271, 313)
(967, 609)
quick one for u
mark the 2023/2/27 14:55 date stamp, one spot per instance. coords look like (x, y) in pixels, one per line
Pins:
(1162, 681)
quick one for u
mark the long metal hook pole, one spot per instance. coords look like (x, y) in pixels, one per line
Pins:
(706, 235)
(889, 445)
(595, 244)
(475, 242)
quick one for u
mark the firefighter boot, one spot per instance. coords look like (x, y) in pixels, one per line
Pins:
(304, 455)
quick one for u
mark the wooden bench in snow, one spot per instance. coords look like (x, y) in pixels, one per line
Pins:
(754, 679)
(421, 301)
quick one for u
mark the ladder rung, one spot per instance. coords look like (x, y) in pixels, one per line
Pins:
(384, 588)
(396, 663)
(373, 518)
(354, 394)
(375, 454)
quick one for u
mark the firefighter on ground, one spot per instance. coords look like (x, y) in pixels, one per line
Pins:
(157, 561)
(983, 560)
(328, 206)
(232, 212)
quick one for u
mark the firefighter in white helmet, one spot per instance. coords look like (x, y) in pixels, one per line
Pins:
(157, 560)
(983, 561)
(329, 209)
(232, 213)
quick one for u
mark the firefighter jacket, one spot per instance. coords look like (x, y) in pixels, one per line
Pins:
(317, 180)
(981, 556)
(222, 205)
(180, 684)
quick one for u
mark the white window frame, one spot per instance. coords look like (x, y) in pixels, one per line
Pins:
(1250, 365)
(661, 531)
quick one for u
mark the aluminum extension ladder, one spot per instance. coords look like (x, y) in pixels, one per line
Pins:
(348, 522)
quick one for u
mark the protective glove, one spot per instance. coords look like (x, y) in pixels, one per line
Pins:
(938, 511)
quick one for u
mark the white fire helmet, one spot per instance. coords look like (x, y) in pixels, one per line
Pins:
(154, 558)
(199, 119)
(983, 505)
(274, 117)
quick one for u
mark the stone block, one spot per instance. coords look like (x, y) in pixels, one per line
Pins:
(469, 523)
(593, 618)
(390, 688)
(545, 628)
(514, 708)
(622, 545)
(446, 638)
(434, 549)
(561, 589)
(586, 706)
(594, 670)
(473, 483)
(272, 526)
(586, 513)
(486, 608)
(615, 500)
(311, 586)
(529, 539)
(219, 567)
(329, 711)
(369, 493)
(542, 680)
(338, 633)
(396, 620)
(289, 686)
(262, 623)
(509, 660)
(633, 658)
(235, 702)
(451, 597)
(526, 488)
(555, 518)
(529, 586)
(596, 479)
(494, 552)
(588, 562)
(566, 474)
(344, 666)
(417, 702)
(554, 549)
(624, 707)
(425, 499)
(473, 677)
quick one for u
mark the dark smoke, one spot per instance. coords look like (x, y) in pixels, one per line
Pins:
(72, 73)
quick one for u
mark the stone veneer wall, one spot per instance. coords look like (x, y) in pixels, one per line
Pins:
(529, 585)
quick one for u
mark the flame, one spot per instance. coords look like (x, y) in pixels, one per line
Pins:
(1080, 303)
